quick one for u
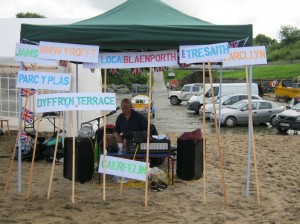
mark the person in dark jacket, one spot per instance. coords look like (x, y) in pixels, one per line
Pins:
(128, 121)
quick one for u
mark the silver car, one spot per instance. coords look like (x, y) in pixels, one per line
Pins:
(226, 101)
(263, 111)
(288, 119)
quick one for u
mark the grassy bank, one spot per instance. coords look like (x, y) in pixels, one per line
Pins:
(270, 72)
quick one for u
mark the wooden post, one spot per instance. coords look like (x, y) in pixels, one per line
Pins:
(148, 137)
(104, 141)
(33, 156)
(74, 124)
(204, 137)
(54, 157)
(253, 142)
(218, 137)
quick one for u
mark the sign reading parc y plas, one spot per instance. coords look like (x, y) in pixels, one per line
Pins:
(44, 80)
(75, 101)
(68, 52)
(123, 167)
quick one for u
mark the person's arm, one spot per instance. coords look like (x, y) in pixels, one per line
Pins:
(117, 131)
(119, 138)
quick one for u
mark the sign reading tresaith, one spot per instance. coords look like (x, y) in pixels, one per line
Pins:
(123, 167)
(68, 52)
(75, 101)
(203, 53)
(44, 80)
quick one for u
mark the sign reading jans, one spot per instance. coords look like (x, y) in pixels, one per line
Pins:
(30, 53)
(75, 101)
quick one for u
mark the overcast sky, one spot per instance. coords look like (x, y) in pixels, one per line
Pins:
(267, 16)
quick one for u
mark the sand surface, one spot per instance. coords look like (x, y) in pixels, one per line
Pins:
(277, 159)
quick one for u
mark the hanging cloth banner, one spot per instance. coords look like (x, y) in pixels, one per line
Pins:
(246, 56)
(29, 53)
(203, 53)
(75, 101)
(135, 59)
(44, 80)
(68, 52)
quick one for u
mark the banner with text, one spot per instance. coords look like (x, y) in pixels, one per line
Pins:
(44, 80)
(135, 59)
(75, 101)
(29, 53)
(68, 52)
(123, 167)
(246, 56)
(203, 53)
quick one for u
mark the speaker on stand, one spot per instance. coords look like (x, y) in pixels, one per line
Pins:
(84, 159)
(189, 159)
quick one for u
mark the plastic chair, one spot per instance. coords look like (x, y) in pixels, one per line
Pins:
(2, 120)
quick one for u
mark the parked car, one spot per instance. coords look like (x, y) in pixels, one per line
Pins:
(263, 111)
(288, 119)
(219, 90)
(226, 101)
(188, 90)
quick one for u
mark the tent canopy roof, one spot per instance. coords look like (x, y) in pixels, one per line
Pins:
(143, 12)
(139, 25)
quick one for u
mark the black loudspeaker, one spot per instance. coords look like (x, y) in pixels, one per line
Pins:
(189, 159)
(84, 159)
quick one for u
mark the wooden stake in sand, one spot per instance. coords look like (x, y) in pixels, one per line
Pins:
(148, 137)
(15, 146)
(54, 157)
(217, 134)
(104, 140)
(253, 142)
(204, 137)
(33, 153)
(74, 124)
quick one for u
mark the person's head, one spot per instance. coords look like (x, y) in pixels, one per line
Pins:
(126, 106)
(298, 98)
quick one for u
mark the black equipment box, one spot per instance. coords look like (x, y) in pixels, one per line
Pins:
(155, 146)
(189, 159)
(84, 159)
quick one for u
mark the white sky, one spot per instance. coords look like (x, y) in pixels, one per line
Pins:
(267, 16)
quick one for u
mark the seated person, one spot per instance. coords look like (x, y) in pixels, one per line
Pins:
(128, 121)
(294, 101)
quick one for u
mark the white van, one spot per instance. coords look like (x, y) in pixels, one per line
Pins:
(195, 102)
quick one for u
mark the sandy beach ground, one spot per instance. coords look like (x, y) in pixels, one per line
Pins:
(277, 158)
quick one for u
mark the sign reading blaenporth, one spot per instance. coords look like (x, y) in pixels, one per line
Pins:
(135, 59)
